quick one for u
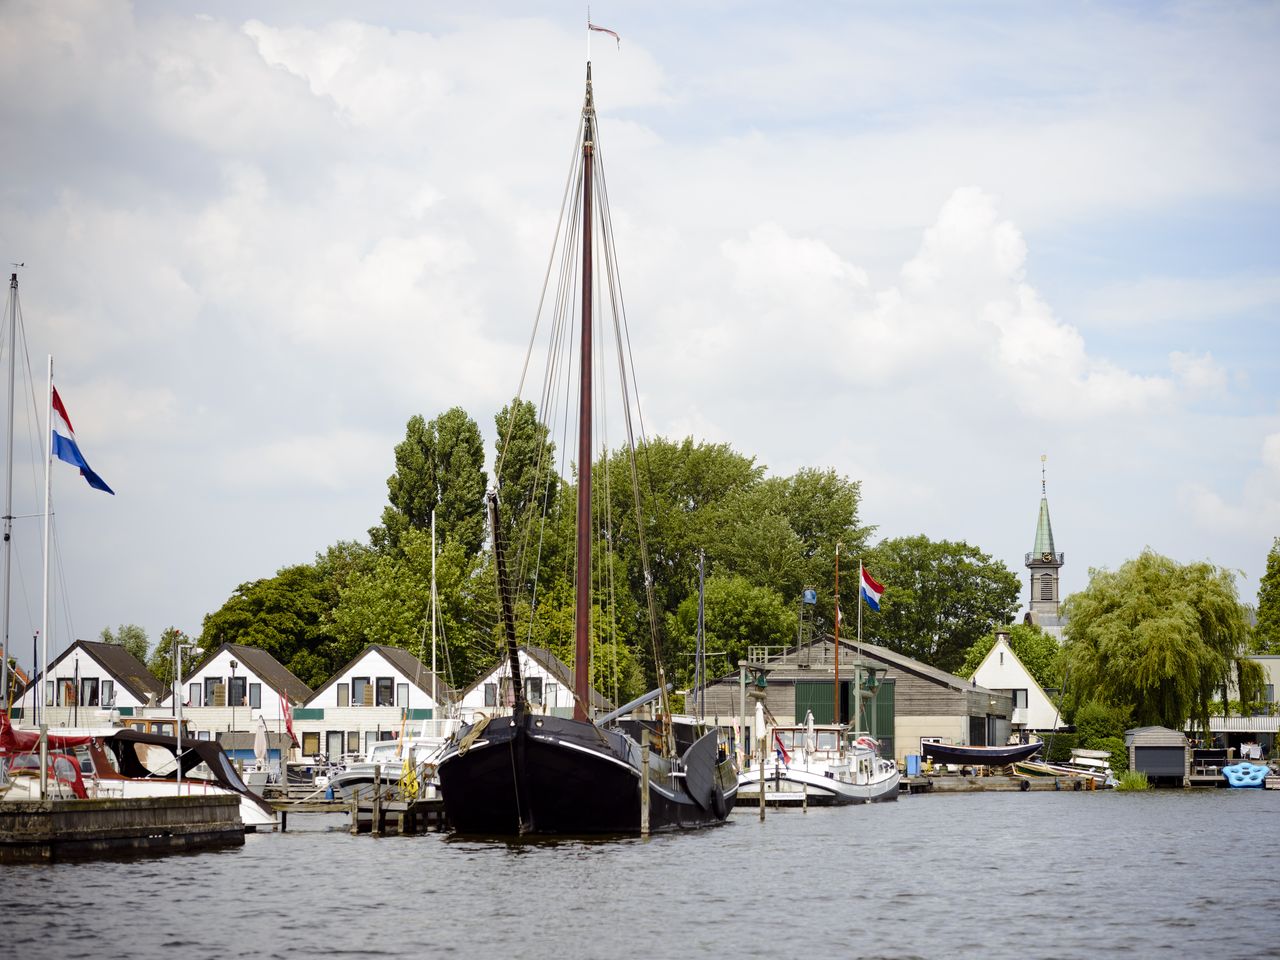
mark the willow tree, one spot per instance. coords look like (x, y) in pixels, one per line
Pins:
(1161, 637)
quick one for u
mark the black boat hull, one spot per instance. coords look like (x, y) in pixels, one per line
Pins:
(539, 775)
(979, 756)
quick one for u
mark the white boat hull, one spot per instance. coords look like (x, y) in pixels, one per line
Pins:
(817, 785)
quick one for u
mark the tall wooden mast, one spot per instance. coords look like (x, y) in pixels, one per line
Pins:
(582, 605)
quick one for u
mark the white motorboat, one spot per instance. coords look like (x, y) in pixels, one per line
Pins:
(819, 764)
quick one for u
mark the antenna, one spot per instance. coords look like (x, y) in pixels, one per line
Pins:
(1043, 458)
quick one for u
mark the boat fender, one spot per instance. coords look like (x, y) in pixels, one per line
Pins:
(1077, 786)
(1026, 785)
(718, 805)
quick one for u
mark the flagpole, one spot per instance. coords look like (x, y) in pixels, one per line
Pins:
(44, 613)
(835, 711)
(8, 496)
(857, 656)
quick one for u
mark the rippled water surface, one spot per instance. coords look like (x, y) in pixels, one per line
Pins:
(1160, 874)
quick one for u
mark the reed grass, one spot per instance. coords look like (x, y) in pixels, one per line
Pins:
(1133, 780)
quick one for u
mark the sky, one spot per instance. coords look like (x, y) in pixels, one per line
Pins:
(920, 244)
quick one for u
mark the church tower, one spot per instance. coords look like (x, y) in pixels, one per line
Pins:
(1045, 564)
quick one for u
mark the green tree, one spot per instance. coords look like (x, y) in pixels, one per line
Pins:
(1039, 653)
(526, 475)
(1160, 637)
(161, 662)
(130, 636)
(440, 467)
(288, 615)
(737, 615)
(1266, 635)
(940, 598)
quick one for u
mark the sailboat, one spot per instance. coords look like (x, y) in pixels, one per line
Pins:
(531, 773)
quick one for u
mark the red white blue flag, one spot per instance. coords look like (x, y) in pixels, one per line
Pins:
(871, 591)
(65, 448)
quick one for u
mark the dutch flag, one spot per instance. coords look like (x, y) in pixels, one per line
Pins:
(871, 591)
(67, 450)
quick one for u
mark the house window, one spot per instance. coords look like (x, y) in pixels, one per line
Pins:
(353, 741)
(195, 695)
(344, 694)
(48, 693)
(1019, 699)
(508, 692)
(214, 691)
(1002, 658)
(550, 691)
(533, 689)
(334, 743)
(255, 696)
(108, 693)
(66, 692)
(361, 692)
(386, 692)
(402, 695)
(236, 693)
(89, 691)
(490, 694)
(310, 743)
(1269, 693)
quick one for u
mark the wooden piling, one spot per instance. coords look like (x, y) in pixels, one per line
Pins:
(644, 782)
(376, 827)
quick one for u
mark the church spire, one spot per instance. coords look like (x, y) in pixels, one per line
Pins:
(1044, 563)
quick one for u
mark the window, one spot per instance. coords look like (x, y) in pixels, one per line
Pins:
(1269, 693)
(1002, 658)
(361, 692)
(255, 696)
(402, 695)
(550, 692)
(310, 743)
(386, 692)
(66, 692)
(1019, 699)
(108, 693)
(1046, 587)
(508, 692)
(490, 694)
(533, 689)
(353, 741)
(48, 693)
(236, 693)
(195, 695)
(214, 691)
(89, 691)
(334, 743)
(344, 694)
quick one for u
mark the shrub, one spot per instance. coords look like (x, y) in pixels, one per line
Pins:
(1096, 721)
(1058, 746)
(1115, 746)
(1133, 780)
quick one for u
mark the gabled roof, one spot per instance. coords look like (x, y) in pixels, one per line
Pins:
(550, 663)
(273, 673)
(1017, 660)
(125, 669)
(409, 666)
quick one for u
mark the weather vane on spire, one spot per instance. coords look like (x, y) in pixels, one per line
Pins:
(1043, 458)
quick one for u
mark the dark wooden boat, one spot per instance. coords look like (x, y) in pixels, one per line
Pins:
(980, 756)
(532, 773)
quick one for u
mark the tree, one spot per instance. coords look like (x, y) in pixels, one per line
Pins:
(1266, 635)
(940, 598)
(526, 472)
(130, 636)
(161, 663)
(288, 615)
(1038, 652)
(1158, 636)
(737, 615)
(440, 467)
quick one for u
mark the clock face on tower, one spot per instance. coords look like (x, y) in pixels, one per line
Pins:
(1047, 557)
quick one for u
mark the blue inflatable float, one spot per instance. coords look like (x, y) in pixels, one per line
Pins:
(1245, 775)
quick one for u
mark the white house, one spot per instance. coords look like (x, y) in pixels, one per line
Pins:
(548, 686)
(381, 692)
(1001, 670)
(224, 696)
(85, 683)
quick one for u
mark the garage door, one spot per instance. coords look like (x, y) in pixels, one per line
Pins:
(1161, 761)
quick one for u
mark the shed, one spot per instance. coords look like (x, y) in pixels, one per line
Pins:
(1162, 754)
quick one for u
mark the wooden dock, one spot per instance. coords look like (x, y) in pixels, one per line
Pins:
(992, 783)
(73, 829)
(386, 816)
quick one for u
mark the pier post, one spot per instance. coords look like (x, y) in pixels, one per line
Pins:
(376, 827)
(763, 744)
(644, 781)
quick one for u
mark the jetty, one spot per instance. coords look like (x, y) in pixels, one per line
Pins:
(76, 829)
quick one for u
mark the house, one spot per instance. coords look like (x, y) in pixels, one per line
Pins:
(86, 682)
(230, 689)
(1253, 733)
(902, 701)
(1001, 670)
(548, 686)
(376, 695)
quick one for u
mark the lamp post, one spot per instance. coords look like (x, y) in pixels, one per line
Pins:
(231, 695)
(178, 647)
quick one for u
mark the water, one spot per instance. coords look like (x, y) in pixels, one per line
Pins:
(1052, 875)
